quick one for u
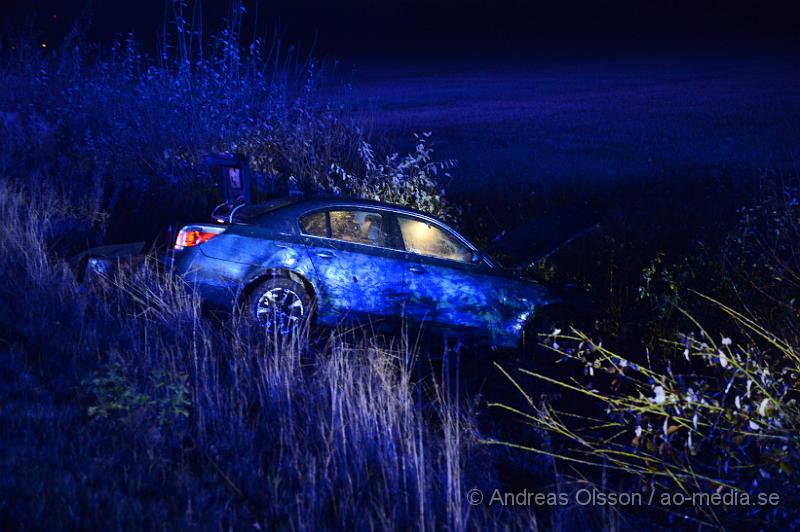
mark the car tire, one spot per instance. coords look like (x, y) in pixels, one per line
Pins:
(279, 305)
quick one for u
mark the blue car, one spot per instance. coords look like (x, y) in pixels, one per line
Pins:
(343, 261)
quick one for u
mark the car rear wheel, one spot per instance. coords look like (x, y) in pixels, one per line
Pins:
(279, 305)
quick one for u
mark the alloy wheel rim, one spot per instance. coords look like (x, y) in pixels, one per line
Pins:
(280, 309)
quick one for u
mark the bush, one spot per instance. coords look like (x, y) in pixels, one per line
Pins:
(712, 409)
(130, 132)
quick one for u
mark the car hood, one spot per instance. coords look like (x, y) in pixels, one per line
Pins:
(541, 236)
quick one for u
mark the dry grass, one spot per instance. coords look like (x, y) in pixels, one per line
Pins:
(203, 422)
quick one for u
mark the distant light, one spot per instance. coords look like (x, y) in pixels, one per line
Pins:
(44, 45)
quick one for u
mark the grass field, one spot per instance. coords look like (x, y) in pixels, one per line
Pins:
(591, 124)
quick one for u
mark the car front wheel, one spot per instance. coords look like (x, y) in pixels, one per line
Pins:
(279, 305)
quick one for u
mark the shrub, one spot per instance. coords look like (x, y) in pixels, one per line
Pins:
(130, 132)
(116, 396)
(712, 409)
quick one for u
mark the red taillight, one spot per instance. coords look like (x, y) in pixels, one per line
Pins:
(194, 235)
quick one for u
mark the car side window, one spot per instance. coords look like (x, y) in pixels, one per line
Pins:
(427, 239)
(314, 224)
(361, 227)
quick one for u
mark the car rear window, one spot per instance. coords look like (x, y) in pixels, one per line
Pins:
(361, 227)
(251, 213)
(314, 224)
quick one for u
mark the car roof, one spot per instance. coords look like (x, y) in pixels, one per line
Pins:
(310, 202)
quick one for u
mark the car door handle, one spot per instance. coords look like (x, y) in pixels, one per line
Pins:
(417, 269)
(325, 255)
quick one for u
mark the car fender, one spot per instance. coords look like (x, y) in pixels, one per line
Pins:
(284, 260)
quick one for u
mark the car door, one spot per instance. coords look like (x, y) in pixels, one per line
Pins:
(446, 288)
(358, 261)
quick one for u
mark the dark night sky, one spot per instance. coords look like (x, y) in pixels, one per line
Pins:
(352, 28)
